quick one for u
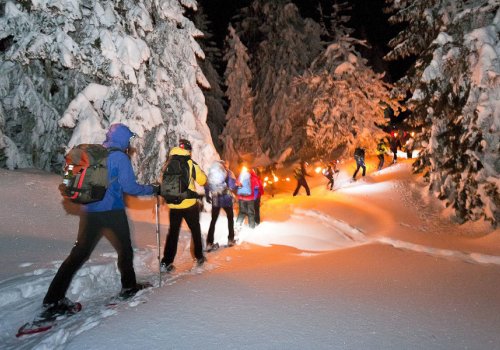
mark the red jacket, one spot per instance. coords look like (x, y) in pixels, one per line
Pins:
(256, 186)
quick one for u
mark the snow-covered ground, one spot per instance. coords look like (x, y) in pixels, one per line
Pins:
(375, 264)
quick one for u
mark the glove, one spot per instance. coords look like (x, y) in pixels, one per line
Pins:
(209, 200)
(156, 188)
(63, 189)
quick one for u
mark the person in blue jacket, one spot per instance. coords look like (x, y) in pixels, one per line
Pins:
(109, 213)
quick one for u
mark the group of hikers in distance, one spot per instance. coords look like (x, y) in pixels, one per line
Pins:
(176, 185)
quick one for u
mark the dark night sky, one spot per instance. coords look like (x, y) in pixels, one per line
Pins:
(367, 18)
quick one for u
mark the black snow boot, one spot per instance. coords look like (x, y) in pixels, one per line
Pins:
(127, 293)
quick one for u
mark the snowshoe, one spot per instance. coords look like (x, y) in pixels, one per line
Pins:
(212, 247)
(127, 293)
(48, 318)
(200, 261)
(170, 268)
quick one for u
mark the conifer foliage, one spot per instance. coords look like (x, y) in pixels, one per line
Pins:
(456, 89)
(339, 96)
(240, 135)
(82, 65)
(283, 45)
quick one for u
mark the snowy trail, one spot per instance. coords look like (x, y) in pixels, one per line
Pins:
(20, 298)
(313, 226)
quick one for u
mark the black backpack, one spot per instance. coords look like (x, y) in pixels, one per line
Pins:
(176, 179)
(359, 153)
(86, 173)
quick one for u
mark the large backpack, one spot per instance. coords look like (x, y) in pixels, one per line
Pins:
(217, 176)
(176, 179)
(86, 173)
(246, 184)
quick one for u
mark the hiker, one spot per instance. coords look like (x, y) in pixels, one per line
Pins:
(394, 144)
(300, 174)
(329, 173)
(270, 178)
(181, 201)
(409, 145)
(107, 214)
(221, 181)
(381, 151)
(359, 156)
(258, 192)
(246, 197)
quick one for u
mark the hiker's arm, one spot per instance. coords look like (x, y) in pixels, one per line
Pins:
(126, 178)
(231, 182)
(201, 177)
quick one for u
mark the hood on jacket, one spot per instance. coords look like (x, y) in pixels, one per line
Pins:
(118, 136)
(177, 151)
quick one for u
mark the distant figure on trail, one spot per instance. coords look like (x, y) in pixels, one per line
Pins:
(258, 192)
(381, 151)
(247, 182)
(329, 174)
(359, 156)
(221, 182)
(300, 174)
(395, 143)
(410, 145)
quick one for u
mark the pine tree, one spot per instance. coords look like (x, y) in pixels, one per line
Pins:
(214, 96)
(96, 63)
(455, 98)
(241, 142)
(283, 45)
(339, 97)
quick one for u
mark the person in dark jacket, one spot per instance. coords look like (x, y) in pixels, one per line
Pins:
(359, 156)
(187, 209)
(220, 197)
(108, 214)
(329, 172)
(300, 174)
(258, 191)
(381, 151)
(395, 143)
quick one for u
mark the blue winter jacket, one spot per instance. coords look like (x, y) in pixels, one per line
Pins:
(121, 175)
(224, 200)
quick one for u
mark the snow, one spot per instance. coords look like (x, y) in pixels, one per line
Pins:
(374, 264)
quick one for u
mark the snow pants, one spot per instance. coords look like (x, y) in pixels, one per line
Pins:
(91, 229)
(192, 217)
(246, 208)
(381, 160)
(395, 154)
(257, 211)
(360, 164)
(301, 183)
(329, 185)
(230, 223)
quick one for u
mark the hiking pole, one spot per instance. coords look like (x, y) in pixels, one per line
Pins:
(158, 236)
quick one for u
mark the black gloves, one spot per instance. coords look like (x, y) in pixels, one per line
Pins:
(156, 189)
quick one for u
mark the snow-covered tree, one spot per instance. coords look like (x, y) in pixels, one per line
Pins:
(283, 45)
(338, 97)
(456, 89)
(214, 96)
(240, 139)
(98, 62)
